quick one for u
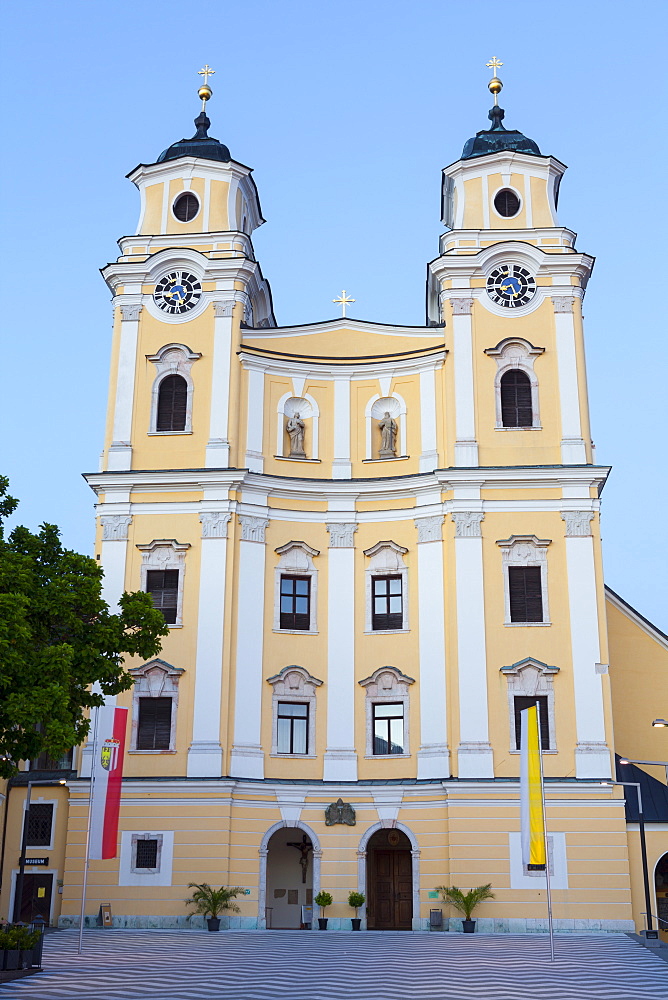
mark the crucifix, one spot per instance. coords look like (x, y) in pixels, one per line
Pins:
(304, 846)
(206, 72)
(495, 84)
(343, 301)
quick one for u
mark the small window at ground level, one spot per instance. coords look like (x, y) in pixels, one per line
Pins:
(186, 206)
(525, 701)
(388, 728)
(40, 821)
(292, 727)
(147, 854)
(507, 203)
(154, 726)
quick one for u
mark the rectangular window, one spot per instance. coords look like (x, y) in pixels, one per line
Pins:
(147, 854)
(526, 593)
(154, 726)
(388, 729)
(296, 602)
(163, 586)
(522, 702)
(40, 821)
(387, 610)
(46, 763)
(292, 727)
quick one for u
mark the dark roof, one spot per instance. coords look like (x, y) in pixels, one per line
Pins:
(201, 144)
(654, 794)
(498, 139)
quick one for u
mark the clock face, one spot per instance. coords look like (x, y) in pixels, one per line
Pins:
(177, 292)
(511, 286)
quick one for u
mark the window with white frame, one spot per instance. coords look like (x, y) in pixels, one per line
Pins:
(146, 857)
(525, 580)
(172, 392)
(39, 823)
(516, 384)
(162, 573)
(386, 712)
(146, 853)
(531, 682)
(296, 588)
(293, 712)
(386, 588)
(155, 701)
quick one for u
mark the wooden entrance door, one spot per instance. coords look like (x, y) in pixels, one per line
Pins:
(36, 898)
(391, 891)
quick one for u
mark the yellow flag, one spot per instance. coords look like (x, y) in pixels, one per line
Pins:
(531, 792)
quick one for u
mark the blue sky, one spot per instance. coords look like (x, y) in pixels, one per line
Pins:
(347, 111)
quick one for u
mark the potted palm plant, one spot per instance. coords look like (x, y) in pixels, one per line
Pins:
(211, 902)
(466, 902)
(356, 899)
(322, 900)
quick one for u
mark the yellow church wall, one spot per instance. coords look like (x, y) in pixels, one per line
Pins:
(218, 214)
(495, 183)
(472, 203)
(152, 222)
(176, 186)
(344, 343)
(113, 378)
(540, 206)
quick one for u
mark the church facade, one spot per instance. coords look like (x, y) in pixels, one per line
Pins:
(374, 545)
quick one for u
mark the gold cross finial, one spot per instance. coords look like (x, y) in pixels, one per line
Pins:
(206, 72)
(495, 84)
(494, 64)
(343, 301)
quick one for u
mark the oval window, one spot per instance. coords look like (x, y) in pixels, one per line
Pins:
(186, 206)
(507, 203)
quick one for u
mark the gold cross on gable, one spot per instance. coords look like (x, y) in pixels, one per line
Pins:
(206, 72)
(494, 64)
(343, 301)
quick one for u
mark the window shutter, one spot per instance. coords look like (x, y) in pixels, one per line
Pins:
(172, 404)
(521, 702)
(526, 595)
(516, 405)
(154, 727)
(163, 586)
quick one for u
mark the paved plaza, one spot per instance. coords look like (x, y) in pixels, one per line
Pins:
(289, 965)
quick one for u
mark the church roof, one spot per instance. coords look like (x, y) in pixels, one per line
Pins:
(498, 139)
(201, 144)
(654, 794)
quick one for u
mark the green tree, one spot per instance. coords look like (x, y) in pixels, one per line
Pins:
(57, 639)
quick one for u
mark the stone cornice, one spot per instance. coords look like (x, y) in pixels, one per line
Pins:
(342, 369)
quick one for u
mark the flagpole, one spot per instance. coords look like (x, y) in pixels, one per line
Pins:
(90, 809)
(547, 854)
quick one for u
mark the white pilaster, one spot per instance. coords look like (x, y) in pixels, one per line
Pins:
(592, 756)
(572, 443)
(113, 554)
(247, 758)
(429, 456)
(341, 464)
(254, 444)
(466, 446)
(340, 757)
(433, 756)
(218, 446)
(120, 451)
(205, 755)
(475, 758)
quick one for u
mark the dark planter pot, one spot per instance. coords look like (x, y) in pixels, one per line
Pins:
(322, 923)
(213, 923)
(356, 922)
(11, 960)
(469, 926)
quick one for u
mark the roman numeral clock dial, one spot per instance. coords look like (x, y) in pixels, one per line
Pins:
(177, 292)
(510, 285)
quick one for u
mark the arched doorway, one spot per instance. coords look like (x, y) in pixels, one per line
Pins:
(289, 878)
(661, 886)
(389, 881)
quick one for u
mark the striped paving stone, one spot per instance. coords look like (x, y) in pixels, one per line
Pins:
(285, 965)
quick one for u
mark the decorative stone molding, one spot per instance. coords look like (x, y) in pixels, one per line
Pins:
(341, 535)
(131, 312)
(155, 679)
(429, 529)
(525, 550)
(531, 678)
(296, 559)
(386, 559)
(214, 524)
(226, 308)
(515, 352)
(309, 413)
(563, 303)
(253, 528)
(386, 685)
(461, 307)
(165, 553)
(467, 523)
(172, 359)
(578, 522)
(115, 527)
(294, 684)
(374, 412)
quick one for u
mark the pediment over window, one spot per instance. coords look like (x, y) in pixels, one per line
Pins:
(530, 677)
(155, 678)
(386, 557)
(520, 549)
(528, 662)
(514, 348)
(386, 681)
(294, 680)
(296, 557)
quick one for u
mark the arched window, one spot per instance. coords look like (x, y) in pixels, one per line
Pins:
(172, 404)
(516, 408)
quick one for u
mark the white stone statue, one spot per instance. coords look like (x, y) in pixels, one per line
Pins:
(295, 428)
(388, 436)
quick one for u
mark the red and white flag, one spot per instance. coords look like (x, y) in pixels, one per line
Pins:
(107, 780)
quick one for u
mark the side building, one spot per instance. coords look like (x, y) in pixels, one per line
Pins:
(374, 544)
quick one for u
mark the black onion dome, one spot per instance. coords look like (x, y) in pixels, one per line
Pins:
(201, 145)
(498, 139)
